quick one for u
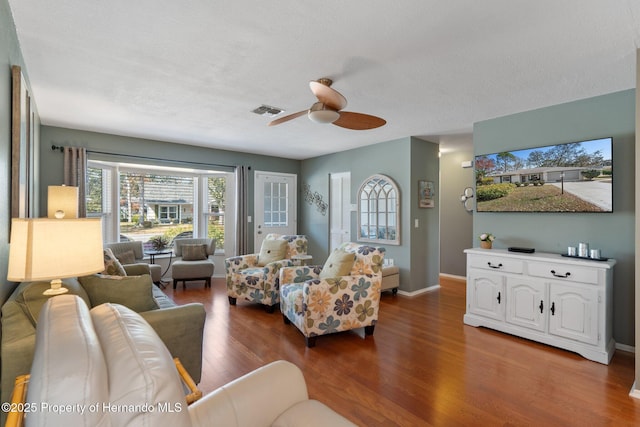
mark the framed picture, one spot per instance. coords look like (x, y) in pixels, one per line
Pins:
(426, 194)
(21, 146)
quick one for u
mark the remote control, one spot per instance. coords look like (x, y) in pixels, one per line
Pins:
(524, 250)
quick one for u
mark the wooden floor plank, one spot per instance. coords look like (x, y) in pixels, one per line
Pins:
(422, 367)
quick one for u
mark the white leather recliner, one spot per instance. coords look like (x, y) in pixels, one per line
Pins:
(107, 367)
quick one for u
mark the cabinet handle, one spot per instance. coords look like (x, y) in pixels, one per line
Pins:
(541, 306)
(498, 297)
(565, 275)
(494, 266)
(553, 308)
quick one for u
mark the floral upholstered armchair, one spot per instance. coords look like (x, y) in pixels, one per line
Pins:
(319, 306)
(250, 279)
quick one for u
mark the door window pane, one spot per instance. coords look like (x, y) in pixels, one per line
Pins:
(275, 204)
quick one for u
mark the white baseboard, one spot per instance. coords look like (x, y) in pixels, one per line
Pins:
(419, 291)
(455, 278)
(624, 347)
(635, 393)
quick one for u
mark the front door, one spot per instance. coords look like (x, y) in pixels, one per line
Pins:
(275, 205)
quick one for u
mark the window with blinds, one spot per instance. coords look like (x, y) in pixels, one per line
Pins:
(149, 202)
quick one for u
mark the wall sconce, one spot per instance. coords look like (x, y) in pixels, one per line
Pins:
(466, 197)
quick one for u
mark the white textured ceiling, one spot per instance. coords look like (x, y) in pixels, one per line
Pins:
(191, 72)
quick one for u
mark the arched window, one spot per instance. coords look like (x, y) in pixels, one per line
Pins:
(379, 211)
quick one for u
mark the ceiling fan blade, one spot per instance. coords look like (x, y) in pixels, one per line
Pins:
(328, 96)
(287, 118)
(358, 121)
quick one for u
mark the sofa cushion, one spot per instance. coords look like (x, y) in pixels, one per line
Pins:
(314, 414)
(131, 291)
(127, 257)
(141, 370)
(194, 252)
(192, 269)
(161, 299)
(338, 264)
(272, 250)
(111, 264)
(68, 368)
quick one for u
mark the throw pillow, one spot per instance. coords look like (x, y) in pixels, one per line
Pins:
(127, 257)
(131, 291)
(272, 250)
(32, 299)
(338, 264)
(194, 252)
(112, 266)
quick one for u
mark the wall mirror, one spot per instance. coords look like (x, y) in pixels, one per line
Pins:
(379, 211)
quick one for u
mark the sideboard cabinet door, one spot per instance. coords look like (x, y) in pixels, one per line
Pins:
(487, 295)
(574, 312)
(527, 303)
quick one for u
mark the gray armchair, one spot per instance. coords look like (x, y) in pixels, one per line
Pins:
(193, 260)
(119, 249)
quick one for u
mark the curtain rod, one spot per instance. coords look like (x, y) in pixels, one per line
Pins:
(61, 149)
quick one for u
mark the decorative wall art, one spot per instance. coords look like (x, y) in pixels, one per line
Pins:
(22, 147)
(426, 194)
(379, 210)
(314, 198)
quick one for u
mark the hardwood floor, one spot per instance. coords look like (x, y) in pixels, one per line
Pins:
(422, 367)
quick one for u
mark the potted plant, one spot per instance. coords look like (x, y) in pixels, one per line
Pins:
(486, 240)
(159, 242)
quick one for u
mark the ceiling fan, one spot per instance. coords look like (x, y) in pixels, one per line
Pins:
(329, 107)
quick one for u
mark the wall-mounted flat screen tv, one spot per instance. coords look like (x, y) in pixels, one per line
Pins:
(568, 177)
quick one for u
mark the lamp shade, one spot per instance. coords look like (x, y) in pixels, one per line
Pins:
(319, 113)
(64, 199)
(45, 248)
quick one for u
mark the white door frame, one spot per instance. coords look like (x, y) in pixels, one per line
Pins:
(339, 209)
(291, 226)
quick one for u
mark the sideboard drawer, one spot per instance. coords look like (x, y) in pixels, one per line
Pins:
(572, 273)
(496, 263)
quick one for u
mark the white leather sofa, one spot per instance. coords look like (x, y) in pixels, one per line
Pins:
(107, 367)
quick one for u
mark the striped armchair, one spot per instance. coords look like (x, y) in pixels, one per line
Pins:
(324, 306)
(251, 282)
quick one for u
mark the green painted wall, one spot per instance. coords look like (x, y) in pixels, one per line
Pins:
(51, 161)
(425, 235)
(456, 223)
(611, 115)
(405, 161)
(10, 54)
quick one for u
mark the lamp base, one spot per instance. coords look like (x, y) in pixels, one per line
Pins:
(56, 288)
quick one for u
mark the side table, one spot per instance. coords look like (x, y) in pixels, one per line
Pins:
(152, 260)
(302, 259)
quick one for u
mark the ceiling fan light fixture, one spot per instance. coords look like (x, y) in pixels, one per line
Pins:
(320, 114)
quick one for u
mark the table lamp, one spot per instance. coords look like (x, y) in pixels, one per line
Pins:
(62, 201)
(54, 249)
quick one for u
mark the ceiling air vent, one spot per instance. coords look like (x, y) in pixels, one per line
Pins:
(267, 110)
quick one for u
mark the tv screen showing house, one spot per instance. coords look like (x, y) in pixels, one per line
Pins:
(568, 177)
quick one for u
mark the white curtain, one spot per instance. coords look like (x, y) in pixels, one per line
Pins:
(75, 174)
(242, 227)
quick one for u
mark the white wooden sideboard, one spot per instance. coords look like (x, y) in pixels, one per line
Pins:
(560, 301)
